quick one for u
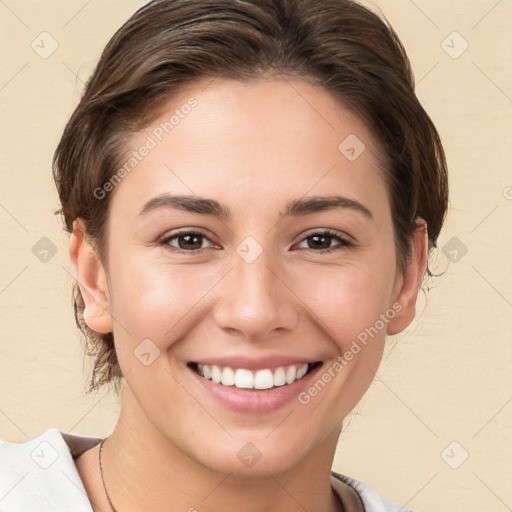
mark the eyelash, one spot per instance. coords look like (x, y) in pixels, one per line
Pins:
(344, 243)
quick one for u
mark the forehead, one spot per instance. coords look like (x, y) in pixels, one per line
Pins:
(244, 142)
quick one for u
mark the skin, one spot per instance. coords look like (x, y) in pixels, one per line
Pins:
(252, 147)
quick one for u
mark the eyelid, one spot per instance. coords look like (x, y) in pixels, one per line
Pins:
(346, 240)
(327, 231)
(165, 239)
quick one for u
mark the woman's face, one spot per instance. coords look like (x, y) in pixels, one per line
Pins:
(218, 258)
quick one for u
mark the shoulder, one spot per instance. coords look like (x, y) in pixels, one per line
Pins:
(40, 475)
(371, 500)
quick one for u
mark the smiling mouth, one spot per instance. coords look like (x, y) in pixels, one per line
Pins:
(257, 380)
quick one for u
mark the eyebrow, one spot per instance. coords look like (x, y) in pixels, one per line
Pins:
(297, 207)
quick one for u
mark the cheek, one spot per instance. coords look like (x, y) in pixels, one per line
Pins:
(155, 300)
(347, 300)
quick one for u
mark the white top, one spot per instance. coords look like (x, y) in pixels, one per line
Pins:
(40, 475)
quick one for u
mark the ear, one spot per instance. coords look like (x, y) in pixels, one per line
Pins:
(92, 279)
(408, 284)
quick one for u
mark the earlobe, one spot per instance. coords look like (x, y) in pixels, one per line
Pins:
(91, 277)
(408, 284)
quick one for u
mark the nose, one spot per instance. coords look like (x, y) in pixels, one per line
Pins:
(256, 299)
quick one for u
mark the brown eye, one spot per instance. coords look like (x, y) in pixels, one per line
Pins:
(321, 241)
(186, 241)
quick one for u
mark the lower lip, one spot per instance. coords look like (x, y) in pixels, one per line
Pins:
(255, 401)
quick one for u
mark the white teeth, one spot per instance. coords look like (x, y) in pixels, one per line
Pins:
(301, 372)
(228, 377)
(279, 377)
(291, 373)
(216, 374)
(263, 379)
(246, 379)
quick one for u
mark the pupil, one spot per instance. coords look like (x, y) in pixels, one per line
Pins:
(321, 237)
(188, 239)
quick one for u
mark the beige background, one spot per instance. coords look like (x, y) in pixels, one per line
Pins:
(448, 379)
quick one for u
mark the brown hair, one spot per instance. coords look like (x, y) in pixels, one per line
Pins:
(167, 44)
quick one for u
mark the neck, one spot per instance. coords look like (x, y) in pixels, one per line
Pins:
(144, 470)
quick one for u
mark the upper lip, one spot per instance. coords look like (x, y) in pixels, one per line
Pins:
(251, 363)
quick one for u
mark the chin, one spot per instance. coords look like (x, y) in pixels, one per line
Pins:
(254, 459)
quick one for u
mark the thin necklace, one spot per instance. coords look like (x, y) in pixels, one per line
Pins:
(338, 499)
(103, 480)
